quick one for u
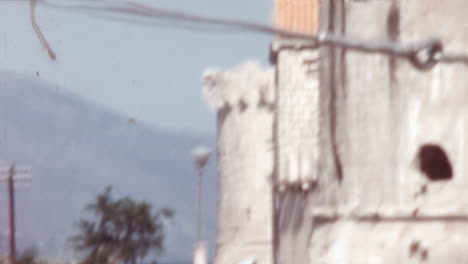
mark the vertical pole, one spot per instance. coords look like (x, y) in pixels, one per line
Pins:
(11, 206)
(199, 211)
(201, 156)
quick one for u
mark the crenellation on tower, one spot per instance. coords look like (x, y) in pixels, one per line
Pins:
(247, 83)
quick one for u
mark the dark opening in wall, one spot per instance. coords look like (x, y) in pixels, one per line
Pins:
(434, 163)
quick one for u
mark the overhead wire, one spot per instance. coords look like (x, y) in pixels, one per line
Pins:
(38, 31)
(142, 10)
(163, 23)
(422, 54)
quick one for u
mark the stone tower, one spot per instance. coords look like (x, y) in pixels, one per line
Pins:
(345, 157)
(244, 100)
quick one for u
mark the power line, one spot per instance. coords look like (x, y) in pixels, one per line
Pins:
(142, 10)
(423, 55)
(163, 23)
(38, 31)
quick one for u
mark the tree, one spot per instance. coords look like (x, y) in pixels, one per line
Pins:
(121, 230)
(28, 256)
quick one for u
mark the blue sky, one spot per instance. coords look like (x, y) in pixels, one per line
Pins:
(148, 73)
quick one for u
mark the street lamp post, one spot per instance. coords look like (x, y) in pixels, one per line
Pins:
(201, 156)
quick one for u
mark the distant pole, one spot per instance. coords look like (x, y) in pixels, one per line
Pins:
(11, 206)
(11, 178)
(201, 156)
(199, 202)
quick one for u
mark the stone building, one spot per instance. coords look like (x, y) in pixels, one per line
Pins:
(336, 156)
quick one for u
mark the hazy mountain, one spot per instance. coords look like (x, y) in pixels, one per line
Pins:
(76, 148)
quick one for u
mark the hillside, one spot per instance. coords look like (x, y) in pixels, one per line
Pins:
(76, 148)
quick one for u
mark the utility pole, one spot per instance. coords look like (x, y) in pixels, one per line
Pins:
(11, 207)
(201, 156)
(12, 175)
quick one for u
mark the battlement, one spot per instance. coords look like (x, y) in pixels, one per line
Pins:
(246, 84)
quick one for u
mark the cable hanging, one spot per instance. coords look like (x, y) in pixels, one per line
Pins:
(38, 31)
(423, 55)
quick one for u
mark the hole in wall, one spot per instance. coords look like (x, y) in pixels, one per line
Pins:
(434, 163)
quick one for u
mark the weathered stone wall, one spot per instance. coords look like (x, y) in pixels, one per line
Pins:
(297, 117)
(400, 136)
(243, 98)
(379, 145)
(297, 148)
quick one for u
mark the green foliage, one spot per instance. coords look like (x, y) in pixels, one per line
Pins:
(121, 231)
